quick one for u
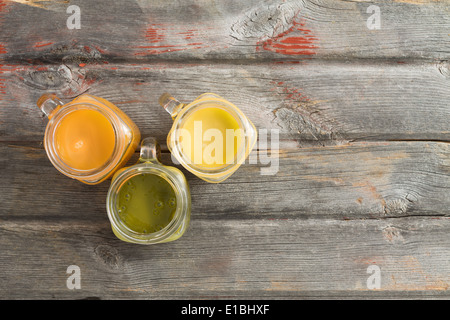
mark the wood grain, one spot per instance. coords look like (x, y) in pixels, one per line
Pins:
(317, 102)
(228, 259)
(354, 181)
(360, 177)
(237, 30)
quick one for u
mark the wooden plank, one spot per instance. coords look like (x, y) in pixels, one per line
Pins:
(360, 177)
(217, 259)
(317, 102)
(354, 181)
(278, 30)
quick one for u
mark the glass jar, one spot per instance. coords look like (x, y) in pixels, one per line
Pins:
(149, 203)
(89, 138)
(210, 136)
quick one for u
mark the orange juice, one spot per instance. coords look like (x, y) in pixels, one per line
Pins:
(89, 138)
(210, 137)
(85, 139)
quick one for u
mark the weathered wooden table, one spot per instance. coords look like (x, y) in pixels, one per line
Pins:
(354, 203)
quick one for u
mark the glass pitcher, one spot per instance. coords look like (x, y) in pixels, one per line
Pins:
(210, 136)
(149, 203)
(89, 138)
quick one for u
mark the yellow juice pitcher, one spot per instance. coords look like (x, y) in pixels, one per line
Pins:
(210, 136)
(89, 138)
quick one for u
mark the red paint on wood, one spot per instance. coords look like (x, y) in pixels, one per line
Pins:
(42, 44)
(289, 93)
(155, 34)
(2, 70)
(297, 40)
(3, 5)
(160, 38)
(100, 50)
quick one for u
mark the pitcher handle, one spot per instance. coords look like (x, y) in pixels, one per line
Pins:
(48, 103)
(172, 105)
(150, 150)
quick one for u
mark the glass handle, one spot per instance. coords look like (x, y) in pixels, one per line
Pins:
(150, 150)
(172, 105)
(48, 103)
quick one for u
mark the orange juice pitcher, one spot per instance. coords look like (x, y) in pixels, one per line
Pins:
(210, 136)
(89, 138)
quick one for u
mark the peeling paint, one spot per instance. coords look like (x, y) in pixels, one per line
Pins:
(392, 234)
(164, 38)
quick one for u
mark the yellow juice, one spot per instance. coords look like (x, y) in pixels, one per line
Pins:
(85, 139)
(210, 137)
